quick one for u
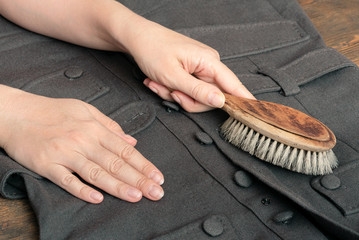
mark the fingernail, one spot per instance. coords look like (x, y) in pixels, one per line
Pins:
(146, 81)
(216, 99)
(134, 193)
(153, 89)
(98, 197)
(174, 96)
(157, 177)
(156, 192)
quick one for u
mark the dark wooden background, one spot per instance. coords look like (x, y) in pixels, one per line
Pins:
(336, 20)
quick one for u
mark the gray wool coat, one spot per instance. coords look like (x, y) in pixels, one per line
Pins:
(212, 189)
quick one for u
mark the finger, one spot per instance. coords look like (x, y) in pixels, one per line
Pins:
(159, 89)
(99, 177)
(111, 125)
(131, 156)
(197, 89)
(228, 81)
(121, 169)
(188, 103)
(69, 182)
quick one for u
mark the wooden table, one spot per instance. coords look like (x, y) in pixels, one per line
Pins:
(336, 20)
(338, 23)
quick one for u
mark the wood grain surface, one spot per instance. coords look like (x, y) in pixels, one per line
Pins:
(336, 20)
(338, 23)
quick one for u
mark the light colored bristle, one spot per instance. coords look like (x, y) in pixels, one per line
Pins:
(326, 162)
(314, 163)
(307, 162)
(267, 149)
(242, 136)
(263, 148)
(332, 159)
(278, 154)
(253, 144)
(292, 159)
(247, 140)
(285, 156)
(271, 151)
(300, 161)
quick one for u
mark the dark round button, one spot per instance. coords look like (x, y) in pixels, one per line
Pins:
(265, 201)
(170, 106)
(243, 179)
(213, 226)
(73, 72)
(283, 217)
(330, 182)
(204, 138)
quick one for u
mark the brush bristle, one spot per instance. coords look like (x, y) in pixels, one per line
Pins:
(267, 149)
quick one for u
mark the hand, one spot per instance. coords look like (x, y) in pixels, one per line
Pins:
(58, 137)
(178, 68)
(182, 69)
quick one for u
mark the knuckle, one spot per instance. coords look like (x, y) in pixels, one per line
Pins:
(120, 189)
(94, 174)
(83, 191)
(113, 125)
(147, 167)
(127, 152)
(215, 53)
(116, 166)
(68, 180)
(197, 91)
(75, 136)
(141, 182)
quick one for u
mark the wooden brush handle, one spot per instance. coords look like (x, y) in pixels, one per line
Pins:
(281, 123)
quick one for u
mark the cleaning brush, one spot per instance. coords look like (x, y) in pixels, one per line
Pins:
(280, 135)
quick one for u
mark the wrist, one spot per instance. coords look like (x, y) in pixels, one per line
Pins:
(119, 25)
(131, 30)
(8, 96)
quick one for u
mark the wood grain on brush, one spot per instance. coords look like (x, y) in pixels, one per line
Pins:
(281, 123)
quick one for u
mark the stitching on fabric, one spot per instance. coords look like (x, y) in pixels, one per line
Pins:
(304, 79)
(302, 58)
(293, 25)
(16, 44)
(282, 43)
(99, 90)
(261, 86)
(93, 55)
(309, 55)
(321, 72)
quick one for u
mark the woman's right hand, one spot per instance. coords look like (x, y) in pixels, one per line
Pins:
(59, 137)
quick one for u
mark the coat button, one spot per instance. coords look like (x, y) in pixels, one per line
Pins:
(330, 182)
(213, 226)
(265, 201)
(204, 138)
(283, 217)
(73, 73)
(243, 179)
(170, 106)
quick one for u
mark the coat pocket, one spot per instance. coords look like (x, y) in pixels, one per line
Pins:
(71, 82)
(341, 188)
(238, 40)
